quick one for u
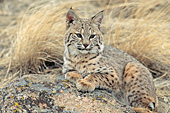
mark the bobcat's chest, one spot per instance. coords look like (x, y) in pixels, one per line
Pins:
(85, 67)
(85, 64)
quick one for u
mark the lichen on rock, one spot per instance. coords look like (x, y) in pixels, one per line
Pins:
(51, 93)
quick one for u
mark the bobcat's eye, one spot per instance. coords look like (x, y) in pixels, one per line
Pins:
(91, 36)
(79, 35)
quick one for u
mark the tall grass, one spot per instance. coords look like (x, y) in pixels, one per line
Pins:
(145, 34)
(39, 40)
(139, 28)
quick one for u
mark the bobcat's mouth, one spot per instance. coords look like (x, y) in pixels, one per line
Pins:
(84, 49)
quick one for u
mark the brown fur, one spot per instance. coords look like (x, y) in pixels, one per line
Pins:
(90, 64)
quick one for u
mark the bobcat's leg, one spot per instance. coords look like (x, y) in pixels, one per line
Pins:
(73, 76)
(138, 87)
(108, 80)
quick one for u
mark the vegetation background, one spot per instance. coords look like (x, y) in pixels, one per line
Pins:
(31, 36)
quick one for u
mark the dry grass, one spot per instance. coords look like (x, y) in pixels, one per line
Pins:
(139, 27)
(145, 34)
(40, 37)
(136, 27)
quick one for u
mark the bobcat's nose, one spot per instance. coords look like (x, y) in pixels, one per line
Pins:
(85, 45)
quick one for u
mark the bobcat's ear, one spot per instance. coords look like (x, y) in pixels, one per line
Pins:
(97, 19)
(70, 18)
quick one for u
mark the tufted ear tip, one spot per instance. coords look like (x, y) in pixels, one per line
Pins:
(97, 19)
(102, 11)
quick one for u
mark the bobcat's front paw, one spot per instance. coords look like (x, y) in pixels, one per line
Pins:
(73, 76)
(84, 85)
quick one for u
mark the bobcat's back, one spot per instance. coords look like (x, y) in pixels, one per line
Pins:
(116, 58)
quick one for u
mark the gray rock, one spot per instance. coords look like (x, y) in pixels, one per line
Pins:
(54, 94)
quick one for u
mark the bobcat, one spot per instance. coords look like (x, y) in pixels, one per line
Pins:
(90, 64)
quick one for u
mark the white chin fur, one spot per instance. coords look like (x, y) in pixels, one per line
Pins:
(84, 52)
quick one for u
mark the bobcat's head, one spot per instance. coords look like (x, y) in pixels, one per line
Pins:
(83, 36)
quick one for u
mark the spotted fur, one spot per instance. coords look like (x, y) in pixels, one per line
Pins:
(90, 64)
